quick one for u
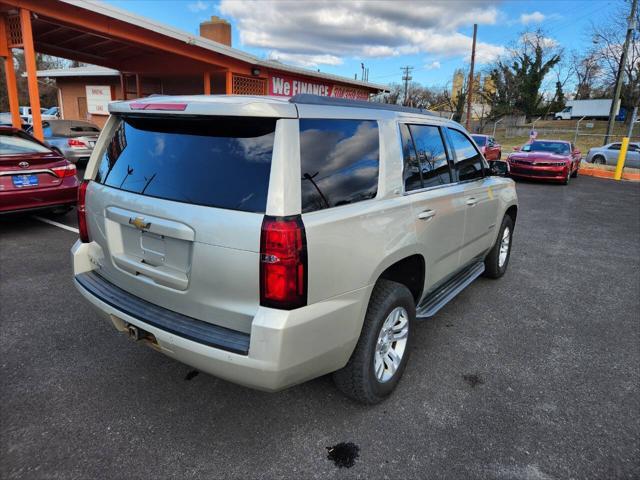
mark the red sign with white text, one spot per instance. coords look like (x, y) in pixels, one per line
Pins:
(282, 86)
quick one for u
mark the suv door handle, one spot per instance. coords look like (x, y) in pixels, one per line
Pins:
(427, 215)
(471, 201)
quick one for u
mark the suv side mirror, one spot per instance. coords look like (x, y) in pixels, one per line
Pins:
(498, 168)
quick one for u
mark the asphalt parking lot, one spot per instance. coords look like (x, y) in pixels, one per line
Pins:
(534, 376)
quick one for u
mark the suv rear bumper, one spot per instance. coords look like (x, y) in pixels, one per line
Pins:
(285, 347)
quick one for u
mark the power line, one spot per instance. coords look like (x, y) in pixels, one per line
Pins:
(406, 78)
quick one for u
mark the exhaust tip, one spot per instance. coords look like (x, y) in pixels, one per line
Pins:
(134, 333)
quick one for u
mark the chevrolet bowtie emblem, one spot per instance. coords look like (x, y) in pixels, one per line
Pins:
(139, 223)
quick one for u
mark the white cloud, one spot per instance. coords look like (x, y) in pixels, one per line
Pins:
(533, 17)
(314, 32)
(532, 39)
(435, 65)
(198, 6)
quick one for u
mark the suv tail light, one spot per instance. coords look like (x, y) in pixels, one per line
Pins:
(283, 263)
(82, 213)
(67, 170)
(73, 143)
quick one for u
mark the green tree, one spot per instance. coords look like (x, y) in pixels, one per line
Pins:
(518, 78)
(559, 101)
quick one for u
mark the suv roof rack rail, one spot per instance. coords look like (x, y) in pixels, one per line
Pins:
(310, 99)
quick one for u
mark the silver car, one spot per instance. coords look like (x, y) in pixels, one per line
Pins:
(269, 242)
(608, 155)
(74, 139)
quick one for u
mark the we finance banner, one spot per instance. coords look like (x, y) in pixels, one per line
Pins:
(284, 86)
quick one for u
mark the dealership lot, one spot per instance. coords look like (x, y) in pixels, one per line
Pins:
(535, 375)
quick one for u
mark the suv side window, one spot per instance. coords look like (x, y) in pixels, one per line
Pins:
(432, 155)
(411, 173)
(339, 162)
(615, 146)
(468, 161)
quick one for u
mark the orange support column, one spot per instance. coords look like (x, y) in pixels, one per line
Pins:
(229, 86)
(207, 83)
(32, 79)
(10, 74)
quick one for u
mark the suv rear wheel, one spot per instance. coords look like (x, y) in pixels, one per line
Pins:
(382, 352)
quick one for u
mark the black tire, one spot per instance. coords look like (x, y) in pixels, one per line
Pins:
(599, 160)
(357, 380)
(575, 174)
(492, 267)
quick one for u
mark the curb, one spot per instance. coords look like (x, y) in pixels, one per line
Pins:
(590, 170)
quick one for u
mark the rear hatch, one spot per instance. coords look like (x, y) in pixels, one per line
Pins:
(177, 206)
(26, 164)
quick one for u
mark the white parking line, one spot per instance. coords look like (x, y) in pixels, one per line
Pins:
(56, 224)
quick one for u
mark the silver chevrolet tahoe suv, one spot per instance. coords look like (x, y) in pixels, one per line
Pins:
(269, 241)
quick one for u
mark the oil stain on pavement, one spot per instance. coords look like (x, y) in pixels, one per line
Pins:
(343, 454)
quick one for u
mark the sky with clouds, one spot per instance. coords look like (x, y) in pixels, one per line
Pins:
(434, 37)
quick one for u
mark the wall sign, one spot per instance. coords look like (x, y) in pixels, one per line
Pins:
(282, 86)
(98, 98)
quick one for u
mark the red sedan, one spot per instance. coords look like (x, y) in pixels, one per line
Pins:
(491, 149)
(32, 176)
(554, 160)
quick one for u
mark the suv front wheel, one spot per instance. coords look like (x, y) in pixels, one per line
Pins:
(381, 355)
(496, 262)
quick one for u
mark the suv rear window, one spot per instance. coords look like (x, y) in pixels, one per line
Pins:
(338, 161)
(213, 161)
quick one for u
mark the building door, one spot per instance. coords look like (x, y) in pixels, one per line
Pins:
(82, 108)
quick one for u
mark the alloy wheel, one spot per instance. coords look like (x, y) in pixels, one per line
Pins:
(504, 247)
(391, 344)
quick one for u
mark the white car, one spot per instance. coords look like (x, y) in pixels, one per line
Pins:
(45, 114)
(270, 241)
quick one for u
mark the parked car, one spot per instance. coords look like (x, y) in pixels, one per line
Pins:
(608, 155)
(74, 139)
(491, 149)
(270, 241)
(6, 121)
(33, 176)
(45, 114)
(554, 160)
(52, 113)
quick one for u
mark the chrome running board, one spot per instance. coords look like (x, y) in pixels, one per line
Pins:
(448, 290)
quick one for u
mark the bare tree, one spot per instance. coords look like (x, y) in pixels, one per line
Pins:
(608, 39)
(587, 70)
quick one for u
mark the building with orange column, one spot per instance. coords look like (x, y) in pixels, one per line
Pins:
(146, 58)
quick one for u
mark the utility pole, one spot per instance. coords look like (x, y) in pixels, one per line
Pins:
(470, 82)
(406, 78)
(620, 75)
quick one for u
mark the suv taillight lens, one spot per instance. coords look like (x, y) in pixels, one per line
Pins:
(82, 213)
(283, 263)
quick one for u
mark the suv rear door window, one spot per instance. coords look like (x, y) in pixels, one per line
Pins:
(411, 173)
(468, 161)
(432, 155)
(213, 161)
(339, 162)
